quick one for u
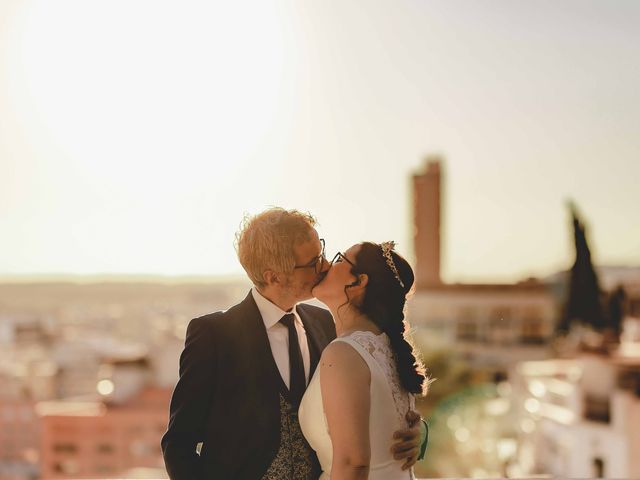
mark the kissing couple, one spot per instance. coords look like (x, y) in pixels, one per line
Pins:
(276, 389)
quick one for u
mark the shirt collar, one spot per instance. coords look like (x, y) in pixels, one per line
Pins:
(270, 312)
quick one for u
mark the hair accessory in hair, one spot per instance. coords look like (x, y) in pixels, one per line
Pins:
(386, 252)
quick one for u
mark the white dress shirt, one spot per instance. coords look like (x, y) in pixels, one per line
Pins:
(279, 336)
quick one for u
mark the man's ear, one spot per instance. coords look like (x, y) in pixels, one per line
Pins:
(270, 277)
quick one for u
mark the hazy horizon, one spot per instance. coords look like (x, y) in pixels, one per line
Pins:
(119, 277)
(160, 278)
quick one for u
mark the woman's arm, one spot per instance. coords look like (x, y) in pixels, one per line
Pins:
(345, 383)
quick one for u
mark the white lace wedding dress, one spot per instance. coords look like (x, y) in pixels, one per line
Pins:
(389, 404)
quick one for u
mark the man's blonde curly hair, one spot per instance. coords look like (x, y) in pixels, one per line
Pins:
(265, 241)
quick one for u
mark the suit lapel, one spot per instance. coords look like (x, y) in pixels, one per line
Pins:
(264, 359)
(258, 346)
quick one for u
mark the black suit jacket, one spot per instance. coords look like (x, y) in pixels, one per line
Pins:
(227, 396)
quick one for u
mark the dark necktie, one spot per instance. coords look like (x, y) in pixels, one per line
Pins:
(297, 381)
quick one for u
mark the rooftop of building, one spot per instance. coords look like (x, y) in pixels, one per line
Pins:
(528, 285)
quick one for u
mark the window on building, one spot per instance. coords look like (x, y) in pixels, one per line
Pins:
(597, 409)
(467, 330)
(65, 447)
(629, 380)
(106, 448)
(533, 330)
(67, 467)
(500, 326)
(598, 467)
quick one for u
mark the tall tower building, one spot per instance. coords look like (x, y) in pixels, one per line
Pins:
(426, 220)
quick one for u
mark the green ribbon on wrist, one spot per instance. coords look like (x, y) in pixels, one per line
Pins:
(424, 438)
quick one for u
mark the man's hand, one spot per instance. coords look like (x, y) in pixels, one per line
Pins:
(407, 441)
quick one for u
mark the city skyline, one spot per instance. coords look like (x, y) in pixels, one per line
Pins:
(139, 153)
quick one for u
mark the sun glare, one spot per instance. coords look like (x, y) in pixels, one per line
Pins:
(122, 87)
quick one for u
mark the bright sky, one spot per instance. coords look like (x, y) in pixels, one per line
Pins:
(134, 134)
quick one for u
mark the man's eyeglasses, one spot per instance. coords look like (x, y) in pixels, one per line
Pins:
(317, 262)
(339, 257)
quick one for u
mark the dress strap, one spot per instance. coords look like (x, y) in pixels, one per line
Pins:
(366, 356)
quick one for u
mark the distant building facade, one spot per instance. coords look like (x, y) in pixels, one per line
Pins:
(580, 416)
(99, 440)
(492, 325)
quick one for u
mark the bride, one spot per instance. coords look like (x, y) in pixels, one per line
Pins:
(368, 376)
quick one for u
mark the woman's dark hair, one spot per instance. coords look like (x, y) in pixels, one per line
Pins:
(383, 303)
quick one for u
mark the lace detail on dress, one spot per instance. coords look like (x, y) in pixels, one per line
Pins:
(379, 346)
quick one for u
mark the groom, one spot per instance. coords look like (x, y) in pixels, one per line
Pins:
(243, 371)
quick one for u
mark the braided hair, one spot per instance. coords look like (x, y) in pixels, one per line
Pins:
(383, 302)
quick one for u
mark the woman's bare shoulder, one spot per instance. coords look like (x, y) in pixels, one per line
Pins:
(342, 358)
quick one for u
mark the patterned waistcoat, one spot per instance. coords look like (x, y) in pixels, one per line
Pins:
(295, 459)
